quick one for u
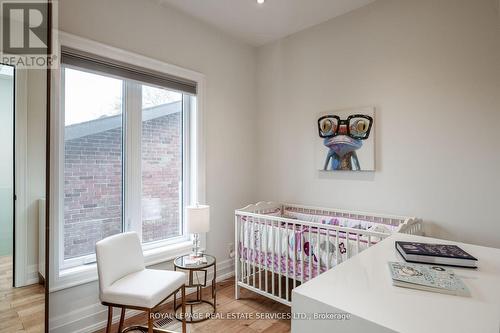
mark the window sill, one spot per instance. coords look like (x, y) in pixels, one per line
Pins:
(83, 274)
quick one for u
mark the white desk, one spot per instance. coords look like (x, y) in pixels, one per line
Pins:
(362, 286)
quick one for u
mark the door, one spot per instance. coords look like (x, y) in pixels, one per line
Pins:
(7, 84)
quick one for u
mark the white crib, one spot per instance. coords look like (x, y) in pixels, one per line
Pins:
(280, 246)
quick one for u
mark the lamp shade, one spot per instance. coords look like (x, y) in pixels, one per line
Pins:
(198, 219)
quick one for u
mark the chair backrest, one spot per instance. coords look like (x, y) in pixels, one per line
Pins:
(118, 256)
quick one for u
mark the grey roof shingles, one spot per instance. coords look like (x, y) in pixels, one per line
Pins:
(99, 125)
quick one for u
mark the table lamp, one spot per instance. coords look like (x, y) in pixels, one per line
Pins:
(198, 221)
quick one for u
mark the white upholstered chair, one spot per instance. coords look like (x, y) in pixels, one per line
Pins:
(125, 282)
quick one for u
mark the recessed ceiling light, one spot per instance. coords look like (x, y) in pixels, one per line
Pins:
(260, 2)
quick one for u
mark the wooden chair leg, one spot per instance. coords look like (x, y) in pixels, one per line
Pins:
(110, 319)
(122, 320)
(150, 322)
(183, 309)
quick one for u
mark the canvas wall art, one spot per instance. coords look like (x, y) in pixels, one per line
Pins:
(346, 140)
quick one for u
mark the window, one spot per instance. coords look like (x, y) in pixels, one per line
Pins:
(161, 164)
(126, 160)
(93, 160)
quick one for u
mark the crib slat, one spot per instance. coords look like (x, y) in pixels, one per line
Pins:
(295, 249)
(318, 253)
(242, 240)
(260, 252)
(265, 251)
(273, 237)
(252, 262)
(357, 243)
(236, 254)
(254, 239)
(337, 249)
(249, 252)
(327, 249)
(347, 245)
(311, 257)
(280, 255)
(287, 254)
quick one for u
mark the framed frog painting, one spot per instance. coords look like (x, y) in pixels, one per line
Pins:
(345, 140)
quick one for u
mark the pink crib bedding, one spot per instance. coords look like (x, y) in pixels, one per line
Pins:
(279, 264)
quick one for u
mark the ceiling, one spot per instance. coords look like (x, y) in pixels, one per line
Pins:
(259, 24)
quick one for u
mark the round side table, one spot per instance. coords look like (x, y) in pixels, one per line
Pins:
(194, 281)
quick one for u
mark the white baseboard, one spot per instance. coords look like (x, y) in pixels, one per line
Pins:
(93, 317)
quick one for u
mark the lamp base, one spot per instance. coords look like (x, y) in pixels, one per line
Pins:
(196, 253)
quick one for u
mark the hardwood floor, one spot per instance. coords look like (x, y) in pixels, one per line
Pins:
(21, 309)
(249, 307)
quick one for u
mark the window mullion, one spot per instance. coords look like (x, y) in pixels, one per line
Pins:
(133, 175)
(186, 159)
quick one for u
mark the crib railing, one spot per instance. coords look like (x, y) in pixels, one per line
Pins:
(405, 224)
(276, 271)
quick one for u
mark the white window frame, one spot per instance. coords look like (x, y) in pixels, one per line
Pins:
(194, 155)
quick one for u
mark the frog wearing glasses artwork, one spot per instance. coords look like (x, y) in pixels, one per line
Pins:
(343, 137)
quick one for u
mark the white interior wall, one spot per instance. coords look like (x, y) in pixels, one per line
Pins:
(432, 70)
(229, 66)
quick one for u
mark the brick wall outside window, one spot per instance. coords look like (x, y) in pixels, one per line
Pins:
(93, 184)
(161, 174)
